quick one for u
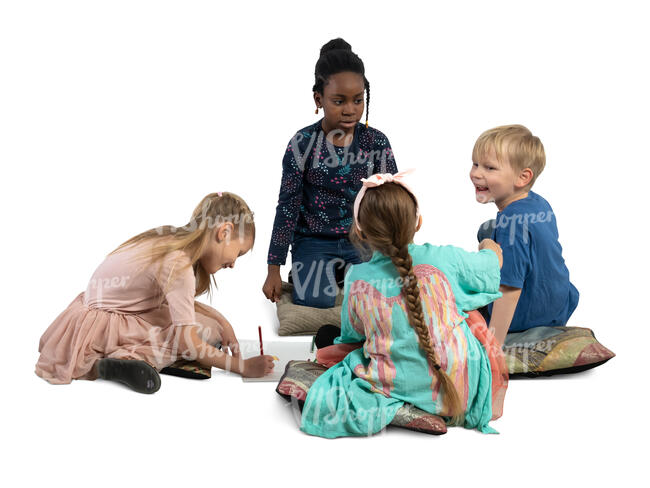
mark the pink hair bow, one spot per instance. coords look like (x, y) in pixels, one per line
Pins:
(378, 180)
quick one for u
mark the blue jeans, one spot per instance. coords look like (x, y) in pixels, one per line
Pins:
(314, 265)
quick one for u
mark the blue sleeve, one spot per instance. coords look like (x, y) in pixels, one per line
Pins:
(286, 213)
(350, 322)
(515, 243)
(476, 277)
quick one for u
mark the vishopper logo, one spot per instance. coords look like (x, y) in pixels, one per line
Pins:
(331, 289)
(525, 347)
(522, 221)
(103, 283)
(99, 285)
(523, 350)
(317, 141)
(313, 277)
(208, 346)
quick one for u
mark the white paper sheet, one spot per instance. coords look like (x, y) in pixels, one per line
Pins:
(285, 352)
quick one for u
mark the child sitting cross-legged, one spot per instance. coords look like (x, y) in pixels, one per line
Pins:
(534, 279)
(404, 335)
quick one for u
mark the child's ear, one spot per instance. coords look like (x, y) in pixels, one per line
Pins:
(525, 177)
(417, 228)
(317, 99)
(224, 232)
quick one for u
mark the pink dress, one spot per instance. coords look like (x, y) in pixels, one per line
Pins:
(131, 309)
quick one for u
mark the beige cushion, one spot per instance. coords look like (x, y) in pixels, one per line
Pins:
(301, 320)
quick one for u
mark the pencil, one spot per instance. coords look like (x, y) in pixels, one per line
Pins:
(259, 329)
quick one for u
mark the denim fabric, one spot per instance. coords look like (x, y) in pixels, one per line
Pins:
(314, 265)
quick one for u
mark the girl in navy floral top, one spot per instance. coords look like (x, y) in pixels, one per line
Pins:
(321, 176)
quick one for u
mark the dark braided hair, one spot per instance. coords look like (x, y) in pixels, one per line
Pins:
(336, 56)
(387, 215)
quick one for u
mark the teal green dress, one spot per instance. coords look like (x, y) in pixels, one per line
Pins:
(360, 395)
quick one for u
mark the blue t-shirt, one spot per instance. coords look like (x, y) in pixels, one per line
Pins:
(527, 232)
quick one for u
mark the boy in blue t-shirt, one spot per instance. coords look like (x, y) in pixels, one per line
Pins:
(534, 279)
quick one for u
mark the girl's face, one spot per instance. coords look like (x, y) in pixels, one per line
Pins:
(224, 249)
(342, 101)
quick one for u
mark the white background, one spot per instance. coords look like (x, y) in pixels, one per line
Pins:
(119, 116)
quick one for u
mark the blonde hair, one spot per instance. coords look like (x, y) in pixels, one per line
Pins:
(514, 144)
(193, 238)
(387, 217)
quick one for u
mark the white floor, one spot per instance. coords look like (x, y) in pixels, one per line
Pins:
(116, 117)
(575, 427)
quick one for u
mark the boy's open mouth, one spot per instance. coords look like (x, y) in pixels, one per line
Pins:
(481, 188)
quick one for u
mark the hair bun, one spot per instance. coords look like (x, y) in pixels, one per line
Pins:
(337, 43)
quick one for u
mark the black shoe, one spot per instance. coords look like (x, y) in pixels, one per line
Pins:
(326, 335)
(137, 375)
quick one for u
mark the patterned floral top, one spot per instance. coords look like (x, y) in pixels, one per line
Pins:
(320, 182)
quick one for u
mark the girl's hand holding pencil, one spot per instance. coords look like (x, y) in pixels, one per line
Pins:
(260, 365)
(257, 366)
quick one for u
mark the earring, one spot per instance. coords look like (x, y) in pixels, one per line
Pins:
(316, 109)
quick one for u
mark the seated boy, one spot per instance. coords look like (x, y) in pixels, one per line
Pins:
(534, 279)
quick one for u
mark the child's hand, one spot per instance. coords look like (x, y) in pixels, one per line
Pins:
(257, 366)
(493, 246)
(273, 285)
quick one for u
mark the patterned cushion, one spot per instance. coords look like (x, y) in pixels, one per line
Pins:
(301, 320)
(188, 369)
(545, 351)
(300, 375)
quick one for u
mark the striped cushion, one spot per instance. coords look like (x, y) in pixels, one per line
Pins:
(300, 320)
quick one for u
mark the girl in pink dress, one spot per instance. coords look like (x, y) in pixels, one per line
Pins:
(139, 314)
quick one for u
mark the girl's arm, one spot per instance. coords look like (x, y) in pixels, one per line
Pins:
(493, 246)
(289, 201)
(387, 158)
(228, 337)
(286, 216)
(192, 348)
(179, 293)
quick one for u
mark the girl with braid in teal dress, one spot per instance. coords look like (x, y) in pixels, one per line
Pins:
(405, 336)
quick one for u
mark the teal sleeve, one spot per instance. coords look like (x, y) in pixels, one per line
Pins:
(477, 278)
(350, 322)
